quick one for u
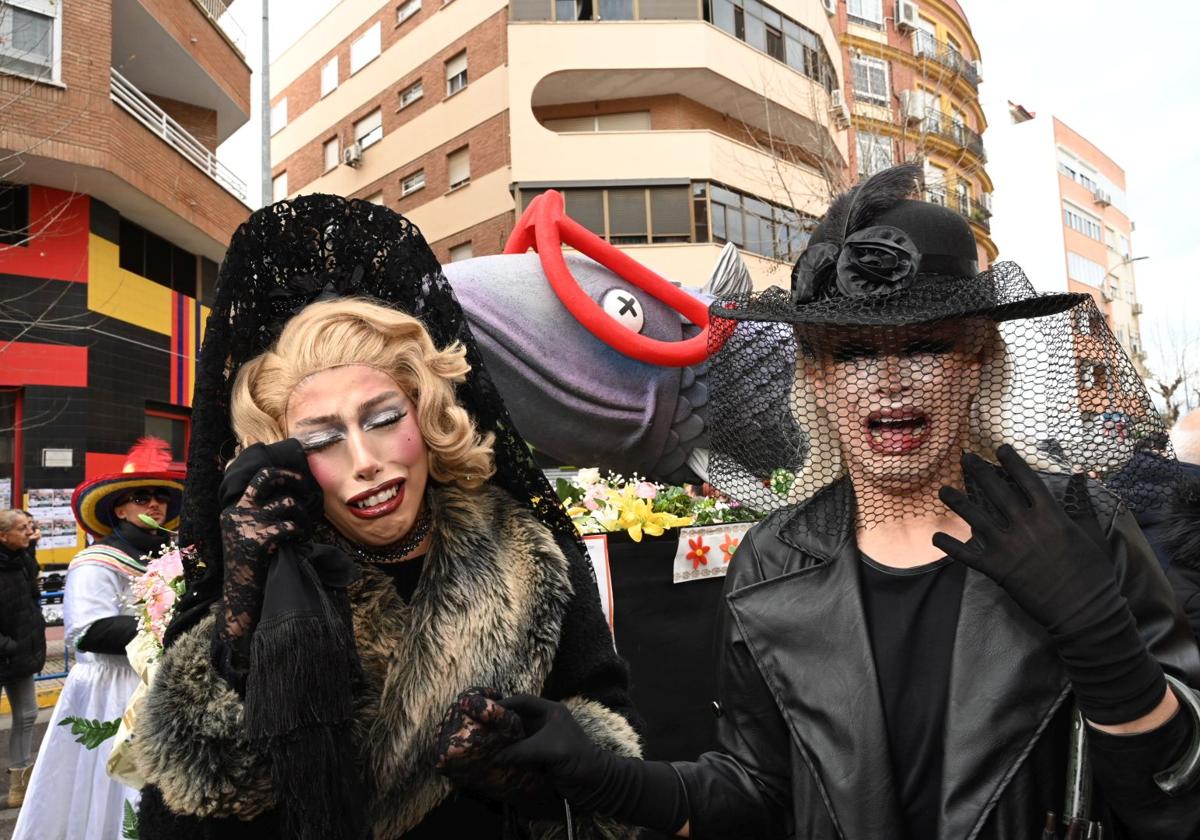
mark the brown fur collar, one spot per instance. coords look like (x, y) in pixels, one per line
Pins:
(487, 612)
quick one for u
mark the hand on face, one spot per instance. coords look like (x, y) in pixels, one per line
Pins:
(359, 431)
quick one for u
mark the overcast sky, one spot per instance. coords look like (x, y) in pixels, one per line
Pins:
(1123, 76)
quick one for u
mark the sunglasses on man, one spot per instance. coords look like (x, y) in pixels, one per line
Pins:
(143, 497)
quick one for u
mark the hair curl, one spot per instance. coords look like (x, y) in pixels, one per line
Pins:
(353, 331)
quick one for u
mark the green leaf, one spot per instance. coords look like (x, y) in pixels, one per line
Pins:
(129, 825)
(91, 733)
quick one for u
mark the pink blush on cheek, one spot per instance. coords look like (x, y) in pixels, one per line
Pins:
(325, 472)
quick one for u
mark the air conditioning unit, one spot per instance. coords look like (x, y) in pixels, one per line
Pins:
(1106, 294)
(838, 111)
(352, 155)
(1138, 309)
(830, 7)
(1102, 198)
(907, 15)
(912, 106)
(978, 65)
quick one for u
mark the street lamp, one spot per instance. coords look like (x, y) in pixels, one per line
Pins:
(1126, 261)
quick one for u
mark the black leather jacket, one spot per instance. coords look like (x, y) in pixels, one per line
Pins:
(801, 727)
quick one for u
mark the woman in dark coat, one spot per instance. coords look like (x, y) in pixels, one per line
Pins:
(381, 541)
(22, 645)
(910, 645)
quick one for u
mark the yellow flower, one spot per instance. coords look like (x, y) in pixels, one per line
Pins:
(637, 516)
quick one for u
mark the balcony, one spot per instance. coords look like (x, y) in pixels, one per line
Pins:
(946, 127)
(217, 12)
(145, 111)
(975, 211)
(927, 46)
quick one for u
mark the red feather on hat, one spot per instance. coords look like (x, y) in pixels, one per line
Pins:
(148, 455)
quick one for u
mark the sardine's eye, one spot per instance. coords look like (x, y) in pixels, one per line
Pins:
(624, 307)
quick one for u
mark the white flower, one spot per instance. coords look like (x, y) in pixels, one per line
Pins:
(587, 477)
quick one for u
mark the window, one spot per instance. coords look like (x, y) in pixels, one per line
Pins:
(407, 10)
(1093, 375)
(869, 12)
(171, 425)
(412, 183)
(377, 198)
(458, 163)
(632, 215)
(31, 39)
(1079, 221)
(150, 256)
(279, 189)
(627, 121)
(461, 251)
(333, 153)
(279, 115)
(1084, 270)
(208, 281)
(962, 194)
(870, 79)
(456, 73)
(756, 225)
(14, 214)
(770, 32)
(365, 49)
(369, 130)
(875, 153)
(925, 38)
(411, 93)
(329, 77)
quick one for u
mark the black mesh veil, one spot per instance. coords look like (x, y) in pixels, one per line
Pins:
(893, 371)
(280, 259)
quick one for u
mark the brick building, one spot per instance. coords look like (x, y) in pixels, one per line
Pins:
(912, 93)
(671, 126)
(114, 214)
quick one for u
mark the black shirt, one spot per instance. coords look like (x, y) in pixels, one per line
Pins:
(405, 576)
(912, 619)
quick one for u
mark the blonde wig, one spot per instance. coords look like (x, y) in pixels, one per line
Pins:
(352, 331)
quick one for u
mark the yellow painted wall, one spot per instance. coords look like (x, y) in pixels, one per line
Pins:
(123, 295)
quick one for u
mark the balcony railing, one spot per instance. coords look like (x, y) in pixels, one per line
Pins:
(927, 46)
(968, 207)
(149, 114)
(217, 12)
(944, 126)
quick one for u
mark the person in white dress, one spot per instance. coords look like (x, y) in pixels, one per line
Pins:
(70, 796)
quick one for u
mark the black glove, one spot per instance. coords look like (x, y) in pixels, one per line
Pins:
(1057, 567)
(275, 505)
(644, 793)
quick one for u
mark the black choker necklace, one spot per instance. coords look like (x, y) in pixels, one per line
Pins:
(394, 553)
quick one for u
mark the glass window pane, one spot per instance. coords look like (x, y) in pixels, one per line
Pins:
(718, 222)
(733, 222)
(628, 121)
(616, 9)
(722, 12)
(669, 10)
(756, 33)
(726, 196)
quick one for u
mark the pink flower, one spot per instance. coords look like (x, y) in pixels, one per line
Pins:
(169, 566)
(646, 490)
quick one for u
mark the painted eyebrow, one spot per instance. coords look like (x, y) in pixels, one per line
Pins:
(331, 419)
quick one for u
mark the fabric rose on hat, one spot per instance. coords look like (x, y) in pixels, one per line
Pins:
(813, 274)
(877, 261)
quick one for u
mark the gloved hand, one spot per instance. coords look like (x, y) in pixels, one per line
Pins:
(475, 728)
(645, 793)
(1056, 566)
(279, 502)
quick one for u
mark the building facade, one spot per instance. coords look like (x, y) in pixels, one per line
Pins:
(670, 126)
(114, 214)
(912, 94)
(1063, 215)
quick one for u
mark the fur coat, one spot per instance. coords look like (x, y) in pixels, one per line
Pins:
(499, 604)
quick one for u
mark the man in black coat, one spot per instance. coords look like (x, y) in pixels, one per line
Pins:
(22, 645)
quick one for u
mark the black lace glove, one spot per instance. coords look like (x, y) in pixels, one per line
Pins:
(474, 729)
(1056, 566)
(276, 505)
(644, 793)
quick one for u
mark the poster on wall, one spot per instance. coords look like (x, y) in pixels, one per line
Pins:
(597, 547)
(51, 509)
(5, 493)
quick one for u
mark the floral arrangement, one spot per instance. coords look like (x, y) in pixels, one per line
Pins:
(611, 503)
(157, 590)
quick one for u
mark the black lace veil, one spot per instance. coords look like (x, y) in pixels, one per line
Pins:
(280, 260)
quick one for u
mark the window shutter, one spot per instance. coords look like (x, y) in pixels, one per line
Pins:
(628, 121)
(669, 212)
(459, 164)
(627, 211)
(587, 208)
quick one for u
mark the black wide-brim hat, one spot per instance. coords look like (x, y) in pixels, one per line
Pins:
(880, 259)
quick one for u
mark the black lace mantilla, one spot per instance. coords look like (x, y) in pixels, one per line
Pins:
(263, 273)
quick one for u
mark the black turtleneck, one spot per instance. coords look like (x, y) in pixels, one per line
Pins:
(112, 634)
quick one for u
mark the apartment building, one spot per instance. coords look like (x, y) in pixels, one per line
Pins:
(670, 126)
(114, 214)
(912, 93)
(1064, 216)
